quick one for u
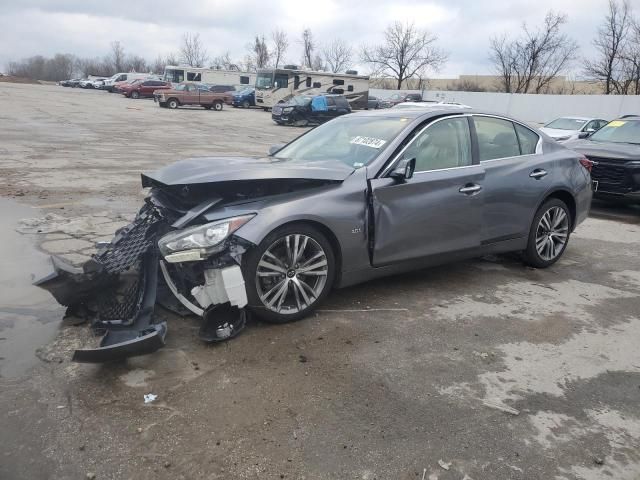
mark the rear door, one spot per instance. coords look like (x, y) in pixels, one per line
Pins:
(517, 176)
(437, 211)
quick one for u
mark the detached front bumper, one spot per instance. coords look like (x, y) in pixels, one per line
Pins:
(117, 290)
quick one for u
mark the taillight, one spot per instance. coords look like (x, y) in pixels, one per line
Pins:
(586, 163)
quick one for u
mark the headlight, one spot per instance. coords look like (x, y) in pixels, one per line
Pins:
(287, 110)
(197, 243)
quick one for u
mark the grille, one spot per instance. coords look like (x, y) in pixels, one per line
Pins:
(611, 174)
(130, 242)
(122, 302)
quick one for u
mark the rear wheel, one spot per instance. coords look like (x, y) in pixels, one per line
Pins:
(217, 105)
(549, 234)
(289, 273)
(173, 103)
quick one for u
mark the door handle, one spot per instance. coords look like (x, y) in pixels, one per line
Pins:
(538, 173)
(470, 189)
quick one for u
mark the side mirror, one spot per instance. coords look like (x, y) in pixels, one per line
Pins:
(584, 134)
(273, 149)
(404, 170)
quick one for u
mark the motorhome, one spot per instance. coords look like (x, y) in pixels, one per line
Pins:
(277, 85)
(177, 74)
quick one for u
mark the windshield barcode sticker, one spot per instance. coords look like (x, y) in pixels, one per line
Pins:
(368, 141)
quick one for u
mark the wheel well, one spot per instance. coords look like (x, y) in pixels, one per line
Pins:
(333, 240)
(568, 199)
(173, 98)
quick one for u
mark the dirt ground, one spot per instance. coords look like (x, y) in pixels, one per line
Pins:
(478, 370)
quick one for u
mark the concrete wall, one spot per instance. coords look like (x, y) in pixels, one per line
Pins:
(536, 108)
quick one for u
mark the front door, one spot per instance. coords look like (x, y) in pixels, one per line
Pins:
(439, 209)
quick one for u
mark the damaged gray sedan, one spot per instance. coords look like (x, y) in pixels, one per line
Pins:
(362, 196)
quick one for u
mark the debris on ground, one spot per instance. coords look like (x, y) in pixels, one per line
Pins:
(501, 407)
(444, 465)
(149, 397)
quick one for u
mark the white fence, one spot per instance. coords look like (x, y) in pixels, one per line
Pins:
(535, 108)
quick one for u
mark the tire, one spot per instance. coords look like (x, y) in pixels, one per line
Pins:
(173, 103)
(304, 291)
(554, 218)
(246, 104)
(135, 95)
(217, 105)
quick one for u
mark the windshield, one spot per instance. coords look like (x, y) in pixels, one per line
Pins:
(354, 140)
(181, 87)
(264, 81)
(172, 75)
(619, 131)
(566, 124)
(301, 100)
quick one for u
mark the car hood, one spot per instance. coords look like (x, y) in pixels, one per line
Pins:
(556, 133)
(230, 169)
(622, 151)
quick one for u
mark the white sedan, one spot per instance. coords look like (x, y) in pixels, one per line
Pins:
(564, 129)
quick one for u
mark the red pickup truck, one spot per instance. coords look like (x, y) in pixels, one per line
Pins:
(192, 94)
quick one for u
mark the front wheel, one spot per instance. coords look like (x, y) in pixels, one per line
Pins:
(135, 95)
(289, 273)
(246, 104)
(172, 103)
(217, 105)
(549, 234)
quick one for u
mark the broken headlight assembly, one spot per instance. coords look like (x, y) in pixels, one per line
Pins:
(199, 242)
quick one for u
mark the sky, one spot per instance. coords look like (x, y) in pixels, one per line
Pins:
(153, 27)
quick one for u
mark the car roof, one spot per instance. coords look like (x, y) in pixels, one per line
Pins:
(575, 118)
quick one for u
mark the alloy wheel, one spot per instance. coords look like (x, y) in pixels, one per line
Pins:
(291, 274)
(552, 233)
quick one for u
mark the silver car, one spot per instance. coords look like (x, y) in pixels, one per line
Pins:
(363, 196)
(564, 129)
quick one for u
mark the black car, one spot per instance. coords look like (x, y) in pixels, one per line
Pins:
(615, 149)
(413, 97)
(303, 110)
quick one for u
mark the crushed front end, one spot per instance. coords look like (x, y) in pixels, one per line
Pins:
(164, 256)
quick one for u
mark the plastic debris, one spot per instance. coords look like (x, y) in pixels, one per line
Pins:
(501, 407)
(149, 397)
(444, 465)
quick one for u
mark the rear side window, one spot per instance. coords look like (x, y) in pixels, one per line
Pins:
(528, 140)
(244, 80)
(342, 102)
(338, 81)
(308, 82)
(317, 85)
(496, 138)
(331, 101)
(193, 77)
(281, 80)
(444, 144)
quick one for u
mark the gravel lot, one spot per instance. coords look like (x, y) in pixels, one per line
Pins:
(478, 370)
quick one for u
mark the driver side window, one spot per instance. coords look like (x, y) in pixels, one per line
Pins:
(444, 144)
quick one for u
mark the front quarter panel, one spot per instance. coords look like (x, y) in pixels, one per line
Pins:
(341, 209)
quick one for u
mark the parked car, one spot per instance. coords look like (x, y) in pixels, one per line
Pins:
(363, 196)
(373, 103)
(70, 83)
(571, 128)
(413, 97)
(303, 110)
(110, 83)
(392, 100)
(192, 94)
(143, 88)
(90, 82)
(220, 88)
(245, 98)
(615, 151)
(432, 105)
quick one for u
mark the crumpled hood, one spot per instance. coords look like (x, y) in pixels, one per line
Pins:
(622, 151)
(229, 169)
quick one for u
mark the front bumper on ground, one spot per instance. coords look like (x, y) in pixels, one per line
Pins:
(117, 290)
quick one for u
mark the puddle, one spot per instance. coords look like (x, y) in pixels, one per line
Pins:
(29, 317)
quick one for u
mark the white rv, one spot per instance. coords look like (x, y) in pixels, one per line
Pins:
(179, 74)
(279, 85)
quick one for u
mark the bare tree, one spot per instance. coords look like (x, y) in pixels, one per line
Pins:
(405, 52)
(610, 44)
(260, 52)
(318, 64)
(192, 52)
(338, 55)
(530, 62)
(280, 46)
(224, 62)
(631, 61)
(308, 48)
(116, 56)
(136, 63)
